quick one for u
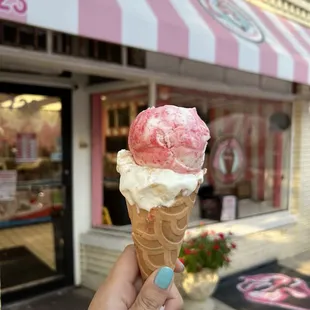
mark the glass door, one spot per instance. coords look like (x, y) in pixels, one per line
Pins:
(33, 191)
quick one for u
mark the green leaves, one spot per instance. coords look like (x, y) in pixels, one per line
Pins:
(208, 250)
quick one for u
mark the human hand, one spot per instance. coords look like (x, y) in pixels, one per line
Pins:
(123, 289)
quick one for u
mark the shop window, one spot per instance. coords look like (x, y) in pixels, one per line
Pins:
(247, 158)
(248, 155)
(118, 110)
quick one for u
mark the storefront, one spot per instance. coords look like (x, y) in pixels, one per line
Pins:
(235, 63)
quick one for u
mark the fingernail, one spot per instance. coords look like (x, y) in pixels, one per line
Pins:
(164, 278)
(182, 266)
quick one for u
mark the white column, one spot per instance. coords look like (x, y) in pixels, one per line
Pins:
(81, 171)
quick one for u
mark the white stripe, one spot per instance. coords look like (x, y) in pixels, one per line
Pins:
(285, 60)
(248, 53)
(139, 24)
(202, 41)
(59, 15)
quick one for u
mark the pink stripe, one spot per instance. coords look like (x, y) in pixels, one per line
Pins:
(300, 64)
(277, 162)
(15, 11)
(96, 160)
(173, 36)
(261, 152)
(227, 48)
(100, 19)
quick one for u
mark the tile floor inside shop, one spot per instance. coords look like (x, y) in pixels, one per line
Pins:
(39, 239)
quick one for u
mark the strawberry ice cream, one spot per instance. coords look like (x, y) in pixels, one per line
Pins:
(169, 137)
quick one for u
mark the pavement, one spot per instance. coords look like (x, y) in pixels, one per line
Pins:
(79, 298)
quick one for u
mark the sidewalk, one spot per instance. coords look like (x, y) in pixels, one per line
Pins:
(79, 299)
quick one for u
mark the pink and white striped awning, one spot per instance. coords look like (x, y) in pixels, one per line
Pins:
(230, 33)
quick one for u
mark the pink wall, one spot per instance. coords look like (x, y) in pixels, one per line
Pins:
(96, 159)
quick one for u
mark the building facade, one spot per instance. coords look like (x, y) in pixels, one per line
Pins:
(246, 71)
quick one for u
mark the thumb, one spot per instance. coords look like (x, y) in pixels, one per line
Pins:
(155, 291)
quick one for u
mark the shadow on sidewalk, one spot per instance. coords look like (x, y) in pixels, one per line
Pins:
(70, 298)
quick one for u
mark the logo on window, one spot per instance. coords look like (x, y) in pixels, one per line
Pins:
(227, 160)
(234, 18)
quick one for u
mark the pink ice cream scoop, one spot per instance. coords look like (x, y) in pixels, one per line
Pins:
(169, 137)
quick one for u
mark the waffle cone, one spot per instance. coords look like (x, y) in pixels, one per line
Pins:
(158, 234)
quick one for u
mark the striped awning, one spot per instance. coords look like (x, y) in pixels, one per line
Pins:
(229, 33)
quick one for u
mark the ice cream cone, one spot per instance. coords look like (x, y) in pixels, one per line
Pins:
(158, 234)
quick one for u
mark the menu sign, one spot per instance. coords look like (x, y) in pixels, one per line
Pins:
(8, 179)
(26, 148)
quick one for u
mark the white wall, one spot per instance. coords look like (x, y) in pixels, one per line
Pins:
(81, 172)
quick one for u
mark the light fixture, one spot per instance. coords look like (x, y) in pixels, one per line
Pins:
(103, 98)
(21, 100)
(52, 107)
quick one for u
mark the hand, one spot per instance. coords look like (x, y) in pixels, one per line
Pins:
(123, 289)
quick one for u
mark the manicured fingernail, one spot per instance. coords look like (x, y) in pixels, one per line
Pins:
(182, 266)
(164, 278)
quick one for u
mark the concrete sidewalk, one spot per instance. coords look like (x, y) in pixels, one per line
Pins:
(79, 299)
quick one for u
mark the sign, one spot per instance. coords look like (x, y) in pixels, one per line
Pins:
(19, 7)
(275, 290)
(8, 179)
(229, 208)
(227, 160)
(234, 18)
(26, 148)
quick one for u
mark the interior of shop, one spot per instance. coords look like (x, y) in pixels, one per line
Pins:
(30, 187)
(247, 158)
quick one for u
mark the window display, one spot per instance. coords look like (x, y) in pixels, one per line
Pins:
(248, 156)
(30, 158)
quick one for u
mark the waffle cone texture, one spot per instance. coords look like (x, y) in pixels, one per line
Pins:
(158, 234)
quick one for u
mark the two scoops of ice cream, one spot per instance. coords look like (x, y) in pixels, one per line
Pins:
(160, 176)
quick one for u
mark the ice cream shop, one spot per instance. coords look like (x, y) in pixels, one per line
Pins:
(72, 86)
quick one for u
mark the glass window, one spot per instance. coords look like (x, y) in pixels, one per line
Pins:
(120, 109)
(248, 155)
(247, 158)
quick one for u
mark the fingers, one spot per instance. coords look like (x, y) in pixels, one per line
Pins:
(179, 267)
(157, 291)
(121, 270)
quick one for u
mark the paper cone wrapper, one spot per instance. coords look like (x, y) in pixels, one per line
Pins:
(158, 234)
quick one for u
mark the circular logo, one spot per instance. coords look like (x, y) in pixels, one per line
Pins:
(233, 18)
(227, 160)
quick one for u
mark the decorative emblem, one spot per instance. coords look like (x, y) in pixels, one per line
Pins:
(276, 290)
(234, 18)
(227, 160)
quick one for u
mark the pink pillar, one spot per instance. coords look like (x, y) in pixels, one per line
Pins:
(277, 164)
(261, 153)
(96, 159)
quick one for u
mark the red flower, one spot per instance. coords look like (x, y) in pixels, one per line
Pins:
(233, 246)
(182, 260)
(208, 253)
(216, 247)
(187, 251)
(221, 235)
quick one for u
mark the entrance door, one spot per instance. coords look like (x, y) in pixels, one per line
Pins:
(35, 190)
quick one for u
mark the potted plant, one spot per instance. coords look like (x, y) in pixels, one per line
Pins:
(202, 257)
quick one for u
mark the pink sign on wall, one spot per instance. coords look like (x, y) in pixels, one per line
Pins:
(14, 10)
(26, 147)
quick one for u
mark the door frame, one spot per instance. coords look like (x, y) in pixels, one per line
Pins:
(65, 96)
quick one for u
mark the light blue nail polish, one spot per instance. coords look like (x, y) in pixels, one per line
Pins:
(164, 277)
